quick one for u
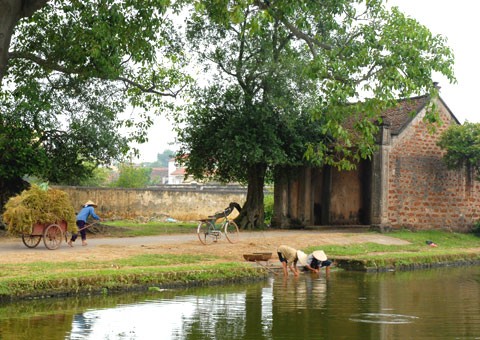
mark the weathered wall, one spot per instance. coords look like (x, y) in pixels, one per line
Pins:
(347, 196)
(422, 192)
(185, 203)
(321, 196)
(289, 205)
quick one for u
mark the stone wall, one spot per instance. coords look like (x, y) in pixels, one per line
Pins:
(181, 202)
(423, 193)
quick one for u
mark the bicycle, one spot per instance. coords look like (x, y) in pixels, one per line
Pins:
(208, 231)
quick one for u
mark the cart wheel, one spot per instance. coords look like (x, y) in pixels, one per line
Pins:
(31, 241)
(52, 236)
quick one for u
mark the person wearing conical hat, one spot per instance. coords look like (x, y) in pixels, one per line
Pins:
(289, 257)
(88, 209)
(317, 260)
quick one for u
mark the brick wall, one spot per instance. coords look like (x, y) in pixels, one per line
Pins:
(182, 202)
(422, 192)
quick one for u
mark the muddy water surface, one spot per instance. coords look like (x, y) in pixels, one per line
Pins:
(430, 304)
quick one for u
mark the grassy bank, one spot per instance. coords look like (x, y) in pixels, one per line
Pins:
(44, 279)
(451, 249)
(141, 272)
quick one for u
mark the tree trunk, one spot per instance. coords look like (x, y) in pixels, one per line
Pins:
(280, 198)
(253, 214)
(11, 11)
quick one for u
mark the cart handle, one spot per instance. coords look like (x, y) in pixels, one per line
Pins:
(88, 225)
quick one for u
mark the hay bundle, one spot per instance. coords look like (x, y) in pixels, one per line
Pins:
(38, 205)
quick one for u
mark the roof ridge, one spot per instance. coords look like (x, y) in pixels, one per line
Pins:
(401, 114)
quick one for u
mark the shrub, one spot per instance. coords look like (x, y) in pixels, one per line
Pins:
(476, 228)
(268, 206)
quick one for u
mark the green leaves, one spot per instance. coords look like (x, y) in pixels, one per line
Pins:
(462, 145)
(133, 177)
(74, 69)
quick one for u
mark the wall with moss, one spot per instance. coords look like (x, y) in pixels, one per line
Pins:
(182, 202)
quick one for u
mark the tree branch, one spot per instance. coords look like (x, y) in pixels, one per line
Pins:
(29, 7)
(59, 68)
(311, 42)
(150, 89)
(11, 11)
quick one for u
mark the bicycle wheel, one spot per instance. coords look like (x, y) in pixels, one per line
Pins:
(206, 233)
(231, 231)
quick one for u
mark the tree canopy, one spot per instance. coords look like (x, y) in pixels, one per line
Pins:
(130, 176)
(163, 158)
(273, 63)
(70, 72)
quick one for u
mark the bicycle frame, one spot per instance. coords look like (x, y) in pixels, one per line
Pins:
(209, 231)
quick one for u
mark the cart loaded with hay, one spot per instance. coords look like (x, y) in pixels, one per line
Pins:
(40, 213)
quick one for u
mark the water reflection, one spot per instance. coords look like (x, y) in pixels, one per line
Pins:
(383, 318)
(412, 305)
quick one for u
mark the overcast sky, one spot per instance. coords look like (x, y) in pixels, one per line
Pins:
(457, 20)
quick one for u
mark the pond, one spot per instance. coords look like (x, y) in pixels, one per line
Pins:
(434, 304)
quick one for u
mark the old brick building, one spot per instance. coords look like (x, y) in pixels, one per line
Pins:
(406, 184)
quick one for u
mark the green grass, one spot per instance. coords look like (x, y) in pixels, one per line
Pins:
(446, 242)
(127, 228)
(451, 247)
(147, 260)
(21, 280)
(44, 278)
(442, 238)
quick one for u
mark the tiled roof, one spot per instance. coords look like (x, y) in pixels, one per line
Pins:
(159, 172)
(178, 172)
(404, 112)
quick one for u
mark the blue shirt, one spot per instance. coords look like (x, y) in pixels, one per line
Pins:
(85, 213)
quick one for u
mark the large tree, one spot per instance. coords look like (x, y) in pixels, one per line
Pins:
(69, 71)
(11, 12)
(338, 60)
(225, 138)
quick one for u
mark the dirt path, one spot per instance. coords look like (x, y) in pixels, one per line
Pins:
(12, 250)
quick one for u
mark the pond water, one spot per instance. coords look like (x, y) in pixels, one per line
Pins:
(429, 304)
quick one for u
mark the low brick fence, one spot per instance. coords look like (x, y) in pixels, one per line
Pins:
(181, 202)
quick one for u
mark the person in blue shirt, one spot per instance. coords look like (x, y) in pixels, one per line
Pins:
(88, 210)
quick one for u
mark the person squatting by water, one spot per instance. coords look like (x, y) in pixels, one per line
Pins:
(289, 257)
(82, 217)
(317, 260)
